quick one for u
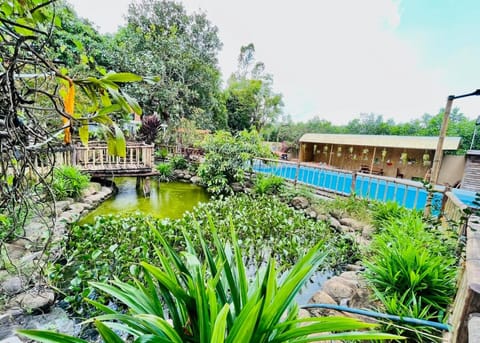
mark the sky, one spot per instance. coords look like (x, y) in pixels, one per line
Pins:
(337, 59)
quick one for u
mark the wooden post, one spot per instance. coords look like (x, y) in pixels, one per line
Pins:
(331, 153)
(373, 158)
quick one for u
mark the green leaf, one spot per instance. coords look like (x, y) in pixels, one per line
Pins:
(218, 334)
(107, 334)
(122, 77)
(120, 142)
(49, 336)
(83, 133)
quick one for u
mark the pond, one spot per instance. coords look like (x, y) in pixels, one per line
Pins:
(166, 200)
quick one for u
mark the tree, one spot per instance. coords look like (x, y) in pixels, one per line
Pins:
(228, 157)
(250, 100)
(41, 103)
(162, 39)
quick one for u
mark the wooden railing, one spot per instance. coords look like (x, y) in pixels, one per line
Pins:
(95, 158)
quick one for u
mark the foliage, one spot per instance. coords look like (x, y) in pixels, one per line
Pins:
(179, 162)
(227, 159)
(268, 184)
(149, 129)
(161, 153)
(165, 171)
(250, 100)
(385, 214)
(352, 206)
(209, 297)
(411, 266)
(68, 182)
(265, 227)
(162, 39)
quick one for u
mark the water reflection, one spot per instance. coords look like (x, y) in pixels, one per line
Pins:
(166, 200)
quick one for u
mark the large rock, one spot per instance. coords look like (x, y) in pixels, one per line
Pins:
(300, 203)
(338, 289)
(12, 285)
(196, 180)
(33, 300)
(354, 224)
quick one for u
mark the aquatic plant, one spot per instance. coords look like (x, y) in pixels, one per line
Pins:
(208, 297)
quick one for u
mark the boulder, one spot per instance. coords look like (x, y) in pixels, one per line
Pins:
(338, 288)
(33, 300)
(300, 203)
(354, 224)
(196, 180)
(334, 223)
(12, 285)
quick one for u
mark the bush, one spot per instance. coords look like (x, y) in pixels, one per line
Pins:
(162, 153)
(179, 162)
(68, 181)
(411, 269)
(268, 184)
(228, 158)
(165, 171)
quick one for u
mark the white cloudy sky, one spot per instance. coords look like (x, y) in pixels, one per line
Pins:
(337, 59)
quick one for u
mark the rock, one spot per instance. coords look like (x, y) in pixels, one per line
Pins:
(300, 202)
(196, 180)
(178, 174)
(33, 299)
(322, 297)
(12, 285)
(322, 217)
(237, 187)
(187, 176)
(57, 318)
(338, 289)
(14, 252)
(354, 267)
(77, 207)
(367, 231)
(346, 229)
(60, 206)
(94, 187)
(350, 275)
(352, 283)
(68, 217)
(335, 223)
(303, 313)
(354, 224)
(310, 212)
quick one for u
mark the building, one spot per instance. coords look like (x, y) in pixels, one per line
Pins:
(396, 156)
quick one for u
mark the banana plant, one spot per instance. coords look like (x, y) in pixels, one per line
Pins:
(207, 296)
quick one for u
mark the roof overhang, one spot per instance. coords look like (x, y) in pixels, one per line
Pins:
(384, 141)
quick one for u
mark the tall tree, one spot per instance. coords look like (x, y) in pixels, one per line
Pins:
(162, 39)
(250, 99)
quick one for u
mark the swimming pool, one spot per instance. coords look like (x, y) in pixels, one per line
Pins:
(410, 194)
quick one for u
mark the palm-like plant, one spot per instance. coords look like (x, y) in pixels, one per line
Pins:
(194, 297)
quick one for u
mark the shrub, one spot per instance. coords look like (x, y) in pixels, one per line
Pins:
(161, 153)
(411, 270)
(68, 181)
(179, 162)
(165, 171)
(209, 297)
(227, 159)
(268, 184)
(149, 129)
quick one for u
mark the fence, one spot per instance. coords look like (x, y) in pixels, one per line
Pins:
(410, 194)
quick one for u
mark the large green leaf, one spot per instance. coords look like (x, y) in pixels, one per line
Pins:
(107, 334)
(122, 77)
(218, 333)
(83, 132)
(49, 336)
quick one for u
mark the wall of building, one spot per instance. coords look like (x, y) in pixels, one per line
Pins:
(353, 157)
(452, 169)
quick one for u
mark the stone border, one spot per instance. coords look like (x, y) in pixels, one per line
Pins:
(26, 253)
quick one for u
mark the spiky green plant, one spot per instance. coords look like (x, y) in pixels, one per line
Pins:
(209, 298)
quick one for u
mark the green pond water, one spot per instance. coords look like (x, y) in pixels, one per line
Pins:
(166, 200)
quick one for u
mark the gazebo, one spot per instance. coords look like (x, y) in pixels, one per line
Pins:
(397, 156)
